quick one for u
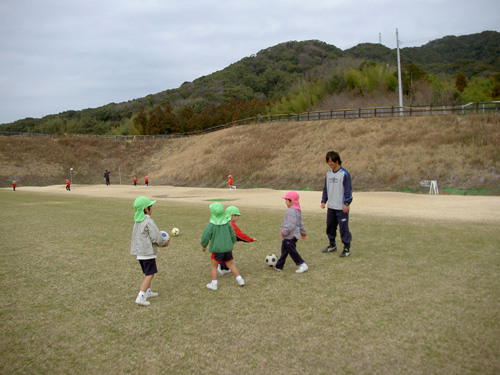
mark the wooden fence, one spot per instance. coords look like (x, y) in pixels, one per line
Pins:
(357, 113)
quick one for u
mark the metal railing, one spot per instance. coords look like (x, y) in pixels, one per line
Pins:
(356, 113)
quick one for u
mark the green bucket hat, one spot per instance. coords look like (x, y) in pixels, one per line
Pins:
(232, 210)
(217, 217)
(139, 205)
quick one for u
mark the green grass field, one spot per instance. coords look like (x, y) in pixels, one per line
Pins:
(415, 296)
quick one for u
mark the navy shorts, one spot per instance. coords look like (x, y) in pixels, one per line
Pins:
(148, 266)
(222, 257)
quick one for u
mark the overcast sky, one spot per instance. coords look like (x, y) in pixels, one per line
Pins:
(58, 55)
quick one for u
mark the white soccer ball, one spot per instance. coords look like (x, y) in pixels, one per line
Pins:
(165, 234)
(175, 232)
(271, 260)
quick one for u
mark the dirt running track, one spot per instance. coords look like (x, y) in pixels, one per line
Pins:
(422, 206)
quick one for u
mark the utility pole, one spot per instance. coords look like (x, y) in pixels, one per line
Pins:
(399, 76)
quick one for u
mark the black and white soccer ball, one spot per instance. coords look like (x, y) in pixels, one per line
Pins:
(271, 260)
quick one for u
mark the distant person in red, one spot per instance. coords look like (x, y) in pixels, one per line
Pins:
(146, 181)
(135, 181)
(230, 182)
(232, 213)
(68, 185)
(14, 185)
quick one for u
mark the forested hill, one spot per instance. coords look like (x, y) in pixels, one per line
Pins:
(294, 77)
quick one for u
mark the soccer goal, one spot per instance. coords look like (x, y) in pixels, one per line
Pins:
(431, 184)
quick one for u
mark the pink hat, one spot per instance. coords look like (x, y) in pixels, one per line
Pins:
(294, 197)
(229, 176)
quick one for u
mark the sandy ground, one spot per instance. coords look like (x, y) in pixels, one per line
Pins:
(421, 206)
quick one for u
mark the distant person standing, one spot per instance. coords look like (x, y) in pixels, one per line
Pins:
(14, 185)
(146, 181)
(230, 182)
(106, 176)
(337, 191)
(135, 181)
(68, 185)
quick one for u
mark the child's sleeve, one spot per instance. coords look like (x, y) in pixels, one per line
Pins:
(206, 235)
(155, 234)
(240, 236)
(302, 228)
(233, 234)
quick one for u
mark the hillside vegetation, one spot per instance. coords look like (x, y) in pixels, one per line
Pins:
(380, 153)
(294, 77)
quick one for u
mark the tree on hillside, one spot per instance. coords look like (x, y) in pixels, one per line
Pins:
(495, 94)
(157, 122)
(171, 124)
(461, 82)
(184, 116)
(141, 121)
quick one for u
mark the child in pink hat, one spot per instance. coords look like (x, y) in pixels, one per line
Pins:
(292, 229)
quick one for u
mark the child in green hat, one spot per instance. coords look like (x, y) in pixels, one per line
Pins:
(145, 238)
(220, 234)
(233, 214)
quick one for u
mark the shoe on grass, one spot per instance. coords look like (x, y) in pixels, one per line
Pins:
(329, 249)
(142, 301)
(302, 268)
(241, 282)
(211, 286)
(345, 253)
(150, 294)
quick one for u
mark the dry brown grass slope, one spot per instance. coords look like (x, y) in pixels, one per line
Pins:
(380, 154)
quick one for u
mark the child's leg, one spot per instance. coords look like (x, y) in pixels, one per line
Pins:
(213, 269)
(294, 254)
(236, 273)
(146, 284)
(232, 267)
(284, 253)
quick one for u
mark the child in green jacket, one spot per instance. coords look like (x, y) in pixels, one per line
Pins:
(220, 234)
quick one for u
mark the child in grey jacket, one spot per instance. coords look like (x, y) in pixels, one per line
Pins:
(292, 229)
(145, 238)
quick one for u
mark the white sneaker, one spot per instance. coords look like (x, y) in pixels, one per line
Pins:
(219, 270)
(241, 282)
(302, 268)
(142, 301)
(225, 272)
(211, 286)
(150, 294)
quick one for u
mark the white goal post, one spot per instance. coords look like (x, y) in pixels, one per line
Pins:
(431, 184)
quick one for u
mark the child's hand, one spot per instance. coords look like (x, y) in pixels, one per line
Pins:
(204, 249)
(303, 236)
(254, 239)
(282, 235)
(166, 243)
